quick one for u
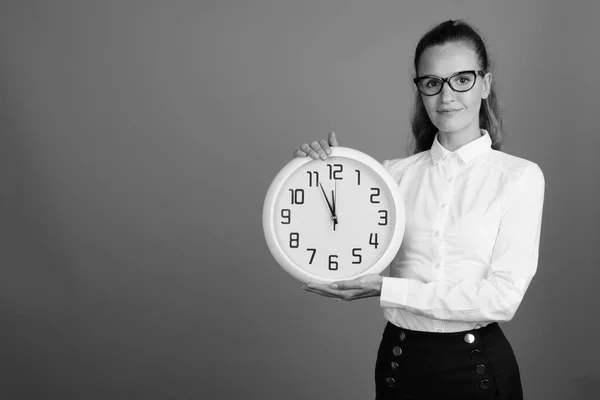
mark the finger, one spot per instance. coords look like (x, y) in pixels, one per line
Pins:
(332, 139)
(325, 146)
(351, 284)
(299, 153)
(359, 296)
(322, 293)
(309, 151)
(317, 147)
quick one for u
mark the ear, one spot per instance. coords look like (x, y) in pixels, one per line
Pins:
(486, 87)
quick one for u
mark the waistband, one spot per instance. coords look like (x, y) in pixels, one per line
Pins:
(468, 336)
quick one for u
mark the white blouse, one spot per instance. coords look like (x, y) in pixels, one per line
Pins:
(470, 248)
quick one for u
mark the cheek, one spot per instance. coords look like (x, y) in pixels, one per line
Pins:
(472, 99)
(430, 104)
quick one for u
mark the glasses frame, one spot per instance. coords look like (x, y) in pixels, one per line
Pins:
(447, 80)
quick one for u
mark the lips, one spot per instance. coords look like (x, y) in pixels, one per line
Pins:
(448, 113)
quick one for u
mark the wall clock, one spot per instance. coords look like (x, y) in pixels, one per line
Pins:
(334, 219)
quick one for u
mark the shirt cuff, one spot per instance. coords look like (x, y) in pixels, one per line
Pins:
(394, 292)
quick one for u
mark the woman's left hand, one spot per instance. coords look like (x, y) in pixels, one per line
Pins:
(360, 288)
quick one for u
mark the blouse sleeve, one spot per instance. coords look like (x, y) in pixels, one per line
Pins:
(513, 264)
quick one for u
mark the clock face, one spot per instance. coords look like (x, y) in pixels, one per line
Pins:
(335, 219)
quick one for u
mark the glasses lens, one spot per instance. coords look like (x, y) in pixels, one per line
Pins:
(430, 86)
(463, 81)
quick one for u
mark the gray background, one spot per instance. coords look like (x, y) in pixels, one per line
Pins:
(137, 142)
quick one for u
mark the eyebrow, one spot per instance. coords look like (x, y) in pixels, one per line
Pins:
(454, 73)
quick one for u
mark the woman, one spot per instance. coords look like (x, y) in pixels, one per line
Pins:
(470, 249)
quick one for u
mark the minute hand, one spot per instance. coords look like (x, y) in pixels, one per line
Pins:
(331, 210)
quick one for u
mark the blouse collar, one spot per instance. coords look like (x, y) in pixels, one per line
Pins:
(466, 152)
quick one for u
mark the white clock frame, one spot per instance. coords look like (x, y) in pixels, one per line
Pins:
(287, 171)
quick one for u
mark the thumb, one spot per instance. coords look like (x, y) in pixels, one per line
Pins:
(332, 139)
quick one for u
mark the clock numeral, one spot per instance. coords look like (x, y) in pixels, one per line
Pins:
(355, 253)
(286, 214)
(310, 178)
(297, 196)
(333, 265)
(358, 176)
(383, 216)
(375, 194)
(312, 256)
(294, 240)
(333, 173)
(373, 240)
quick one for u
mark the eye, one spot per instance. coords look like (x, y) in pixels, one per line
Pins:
(431, 83)
(462, 79)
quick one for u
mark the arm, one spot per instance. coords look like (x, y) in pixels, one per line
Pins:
(513, 265)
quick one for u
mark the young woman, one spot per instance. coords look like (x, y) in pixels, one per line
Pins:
(470, 249)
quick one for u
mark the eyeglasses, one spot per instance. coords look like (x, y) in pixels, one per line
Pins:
(462, 81)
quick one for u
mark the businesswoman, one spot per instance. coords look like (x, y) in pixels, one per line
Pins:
(470, 248)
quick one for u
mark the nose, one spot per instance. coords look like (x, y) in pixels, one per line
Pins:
(447, 93)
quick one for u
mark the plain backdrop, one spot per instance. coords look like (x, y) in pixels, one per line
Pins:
(137, 143)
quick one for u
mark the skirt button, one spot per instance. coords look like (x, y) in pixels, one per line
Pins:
(401, 336)
(394, 365)
(397, 351)
(474, 354)
(390, 381)
(469, 338)
(485, 384)
(480, 369)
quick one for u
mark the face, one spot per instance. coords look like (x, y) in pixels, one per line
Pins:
(452, 111)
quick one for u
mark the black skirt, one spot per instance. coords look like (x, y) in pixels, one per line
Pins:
(475, 364)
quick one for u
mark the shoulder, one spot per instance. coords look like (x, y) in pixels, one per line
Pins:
(398, 166)
(517, 168)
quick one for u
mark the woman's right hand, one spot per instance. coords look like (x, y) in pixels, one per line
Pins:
(317, 149)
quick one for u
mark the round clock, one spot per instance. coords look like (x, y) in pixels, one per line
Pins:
(334, 219)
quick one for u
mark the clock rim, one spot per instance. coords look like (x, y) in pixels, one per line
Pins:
(275, 187)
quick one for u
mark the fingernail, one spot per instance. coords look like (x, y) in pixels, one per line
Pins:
(323, 158)
(328, 151)
(309, 285)
(335, 286)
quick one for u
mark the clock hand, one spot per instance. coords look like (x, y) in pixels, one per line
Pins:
(335, 197)
(333, 214)
(327, 200)
(331, 209)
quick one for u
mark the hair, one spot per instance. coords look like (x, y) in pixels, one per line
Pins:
(423, 129)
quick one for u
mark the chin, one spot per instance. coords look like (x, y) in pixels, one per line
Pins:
(450, 127)
(454, 124)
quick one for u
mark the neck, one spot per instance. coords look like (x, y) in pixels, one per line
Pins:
(455, 140)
